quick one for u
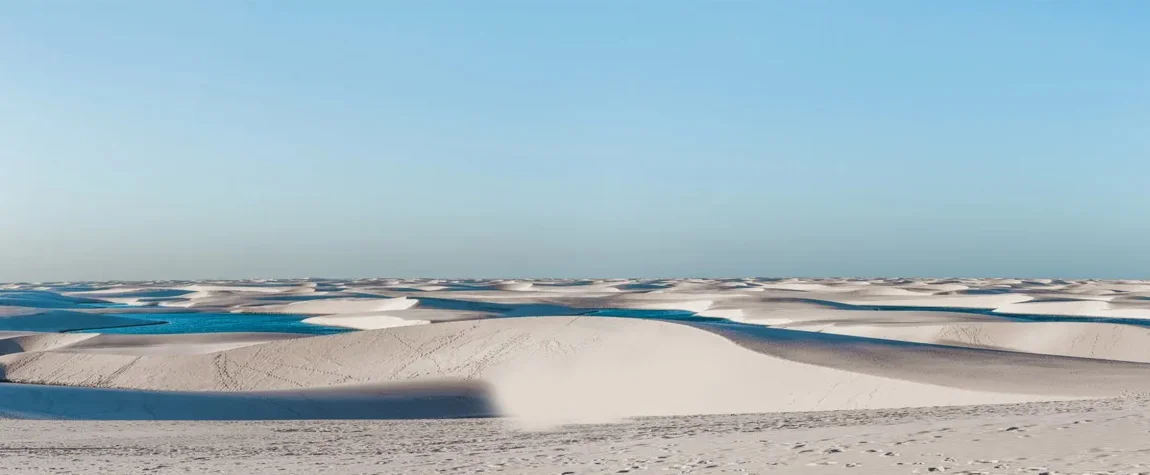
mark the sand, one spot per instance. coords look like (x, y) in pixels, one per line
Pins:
(1104, 341)
(753, 346)
(1085, 437)
(179, 344)
(705, 376)
(339, 306)
(24, 342)
(542, 369)
(365, 321)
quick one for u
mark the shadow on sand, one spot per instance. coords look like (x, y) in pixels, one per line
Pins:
(408, 401)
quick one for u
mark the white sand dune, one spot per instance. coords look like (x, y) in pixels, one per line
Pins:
(643, 368)
(937, 287)
(953, 366)
(338, 306)
(544, 369)
(226, 296)
(799, 287)
(303, 288)
(365, 321)
(1104, 341)
(210, 298)
(687, 305)
(134, 344)
(954, 301)
(873, 291)
(110, 291)
(426, 288)
(177, 344)
(514, 286)
(526, 344)
(21, 342)
(1082, 308)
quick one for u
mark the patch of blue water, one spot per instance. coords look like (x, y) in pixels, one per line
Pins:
(170, 323)
(42, 299)
(454, 304)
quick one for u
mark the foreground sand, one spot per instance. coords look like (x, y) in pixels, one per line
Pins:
(1098, 436)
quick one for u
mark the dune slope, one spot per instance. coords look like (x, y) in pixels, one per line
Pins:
(569, 368)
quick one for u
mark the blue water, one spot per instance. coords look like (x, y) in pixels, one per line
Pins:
(42, 299)
(169, 323)
(154, 293)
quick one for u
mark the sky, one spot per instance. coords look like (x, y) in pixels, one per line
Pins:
(220, 139)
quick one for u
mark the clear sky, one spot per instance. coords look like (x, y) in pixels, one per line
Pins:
(219, 139)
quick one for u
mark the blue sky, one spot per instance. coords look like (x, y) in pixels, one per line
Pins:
(181, 139)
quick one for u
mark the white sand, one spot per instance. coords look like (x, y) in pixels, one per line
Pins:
(1104, 341)
(179, 344)
(954, 301)
(338, 306)
(365, 321)
(1084, 308)
(544, 369)
(496, 335)
(1089, 437)
(21, 342)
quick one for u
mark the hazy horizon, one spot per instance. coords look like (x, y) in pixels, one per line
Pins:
(211, 140)
(580, 278)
